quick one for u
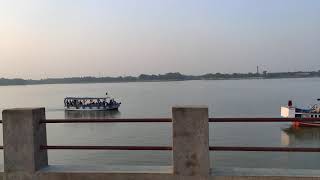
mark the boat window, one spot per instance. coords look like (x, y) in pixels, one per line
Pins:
(298, 115)
(312, 115)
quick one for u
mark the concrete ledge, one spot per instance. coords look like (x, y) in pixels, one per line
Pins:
(71, 172)
(65, 172)
(263, 178)
(102, 176)
(107, 169)
(264, 173)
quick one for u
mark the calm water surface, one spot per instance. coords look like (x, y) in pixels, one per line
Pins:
(233, 98)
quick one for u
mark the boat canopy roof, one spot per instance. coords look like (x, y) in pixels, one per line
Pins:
(299, 110)
(85, 98)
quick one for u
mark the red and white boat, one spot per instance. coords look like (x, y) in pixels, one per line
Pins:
(312, 114)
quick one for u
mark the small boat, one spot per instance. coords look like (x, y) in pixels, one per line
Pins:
(90, 104)
(312, 114)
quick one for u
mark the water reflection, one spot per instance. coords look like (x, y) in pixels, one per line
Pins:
(300, 136)
(92, 114)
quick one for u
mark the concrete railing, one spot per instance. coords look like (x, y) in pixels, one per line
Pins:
(23, 134)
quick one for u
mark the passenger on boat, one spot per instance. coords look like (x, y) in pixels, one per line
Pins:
(112, 102)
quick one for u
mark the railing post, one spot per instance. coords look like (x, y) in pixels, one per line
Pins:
(22, 136)
(191, 141)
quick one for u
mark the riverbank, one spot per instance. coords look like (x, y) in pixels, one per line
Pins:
(159, 78)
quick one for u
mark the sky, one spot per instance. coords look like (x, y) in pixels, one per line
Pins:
(67, 38)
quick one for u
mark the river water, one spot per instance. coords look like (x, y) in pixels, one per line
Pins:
(231, 98)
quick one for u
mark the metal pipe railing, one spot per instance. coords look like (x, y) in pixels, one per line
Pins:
(167, 148)
(144, 120)
(129, 148)
(160, 120)
(263, 119)
(263, 149)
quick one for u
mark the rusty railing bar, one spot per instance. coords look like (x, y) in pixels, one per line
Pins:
(263, 119)
(155, 120)
(167, 148)
(264, 149)
(138, 120)
(131, 148)
(144, 120)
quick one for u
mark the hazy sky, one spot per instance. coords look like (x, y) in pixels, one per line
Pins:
(55, 38)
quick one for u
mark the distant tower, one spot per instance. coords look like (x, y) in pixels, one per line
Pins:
(257, 69)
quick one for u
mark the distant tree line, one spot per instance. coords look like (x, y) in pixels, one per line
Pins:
(160, 77)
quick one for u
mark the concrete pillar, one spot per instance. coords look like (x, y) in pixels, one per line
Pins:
(22, 136)
(191, 141)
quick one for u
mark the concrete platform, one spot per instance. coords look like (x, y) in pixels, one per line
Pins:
(107, 169)
(265, 172)
(57, 172)
(169, 170)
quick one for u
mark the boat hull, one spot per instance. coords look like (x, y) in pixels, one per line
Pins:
(108, 108)
(306, 124)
